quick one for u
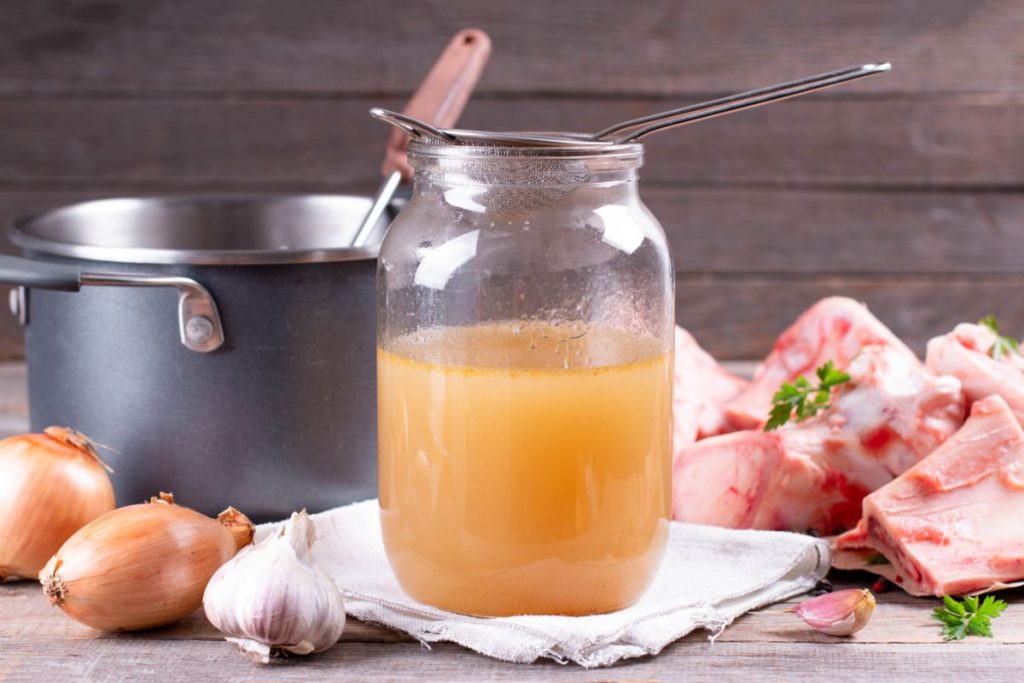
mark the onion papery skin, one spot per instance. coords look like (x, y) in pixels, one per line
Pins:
(141, 566)
(51, 485)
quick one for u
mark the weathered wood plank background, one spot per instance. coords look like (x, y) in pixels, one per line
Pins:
(906, 191)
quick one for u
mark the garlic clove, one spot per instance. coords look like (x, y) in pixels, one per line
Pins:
(272, 598)
(841, 613)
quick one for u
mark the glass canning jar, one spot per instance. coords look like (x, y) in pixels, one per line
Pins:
(525, 322)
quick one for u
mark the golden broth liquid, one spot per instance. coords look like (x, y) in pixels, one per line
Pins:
(531, 477)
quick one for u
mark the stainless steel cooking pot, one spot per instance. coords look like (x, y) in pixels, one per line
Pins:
(222, 347)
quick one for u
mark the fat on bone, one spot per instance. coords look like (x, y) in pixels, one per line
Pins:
(814, 474)
(835, 328)
(749, 480)
(890, 415)
(701, 390)
(950, 525)
(964, 353)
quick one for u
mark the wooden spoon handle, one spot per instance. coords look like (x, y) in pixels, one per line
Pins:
(443, 94)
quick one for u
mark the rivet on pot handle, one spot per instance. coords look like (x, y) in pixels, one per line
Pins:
(198, 319)
(18, 301)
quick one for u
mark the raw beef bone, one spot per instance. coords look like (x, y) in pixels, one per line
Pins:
(890, 415)
(835, 329)
(701, 390)
(812, 475)
(749, 480)
(965, 353)
(951, 524)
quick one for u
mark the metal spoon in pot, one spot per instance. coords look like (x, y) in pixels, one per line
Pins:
(635, 129)
(439, 100)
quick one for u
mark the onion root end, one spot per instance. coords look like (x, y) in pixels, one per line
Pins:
(55, 589)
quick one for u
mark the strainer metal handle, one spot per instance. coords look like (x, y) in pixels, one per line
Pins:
(412, 126)
(635, 129)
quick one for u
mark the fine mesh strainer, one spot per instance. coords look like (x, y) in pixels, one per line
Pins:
(537, 191)
(515, 181)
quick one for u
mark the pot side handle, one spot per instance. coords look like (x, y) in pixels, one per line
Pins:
(23, 272)
(199, 323)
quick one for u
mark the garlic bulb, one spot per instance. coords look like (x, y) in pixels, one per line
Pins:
(143, 565)
(271, 597)
(52, 485)
(841, 613)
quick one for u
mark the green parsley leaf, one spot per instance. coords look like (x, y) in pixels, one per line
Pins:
(953, 606)
(992, 607)
(877, 558)
(803, 399)
(970, 617)
(1003, 346)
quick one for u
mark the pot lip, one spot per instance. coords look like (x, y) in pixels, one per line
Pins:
(22, 234)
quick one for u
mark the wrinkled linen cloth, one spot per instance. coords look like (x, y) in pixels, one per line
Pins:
(709, 577)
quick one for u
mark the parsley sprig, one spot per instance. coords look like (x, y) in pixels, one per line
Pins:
(968, 618)
(1004, 346)
(803, 399)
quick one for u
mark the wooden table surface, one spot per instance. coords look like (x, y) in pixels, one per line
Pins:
(37, 642)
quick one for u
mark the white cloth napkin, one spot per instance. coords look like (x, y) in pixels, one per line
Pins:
(709, 577)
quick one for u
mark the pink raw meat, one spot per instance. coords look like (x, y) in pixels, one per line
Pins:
(890, 415)
(964, 353)
(702, 388)
(749, 480)
(813, 475)
(835, 329)
(950, 525)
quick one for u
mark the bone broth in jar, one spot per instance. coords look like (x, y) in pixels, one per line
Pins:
(524, 381)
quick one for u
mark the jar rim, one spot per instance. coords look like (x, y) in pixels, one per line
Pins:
(434, 149)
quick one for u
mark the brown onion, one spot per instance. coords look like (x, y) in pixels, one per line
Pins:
(51, 485)
(143, 565)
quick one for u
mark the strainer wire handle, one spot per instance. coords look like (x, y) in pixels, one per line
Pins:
(411, 125)
(737, 102)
